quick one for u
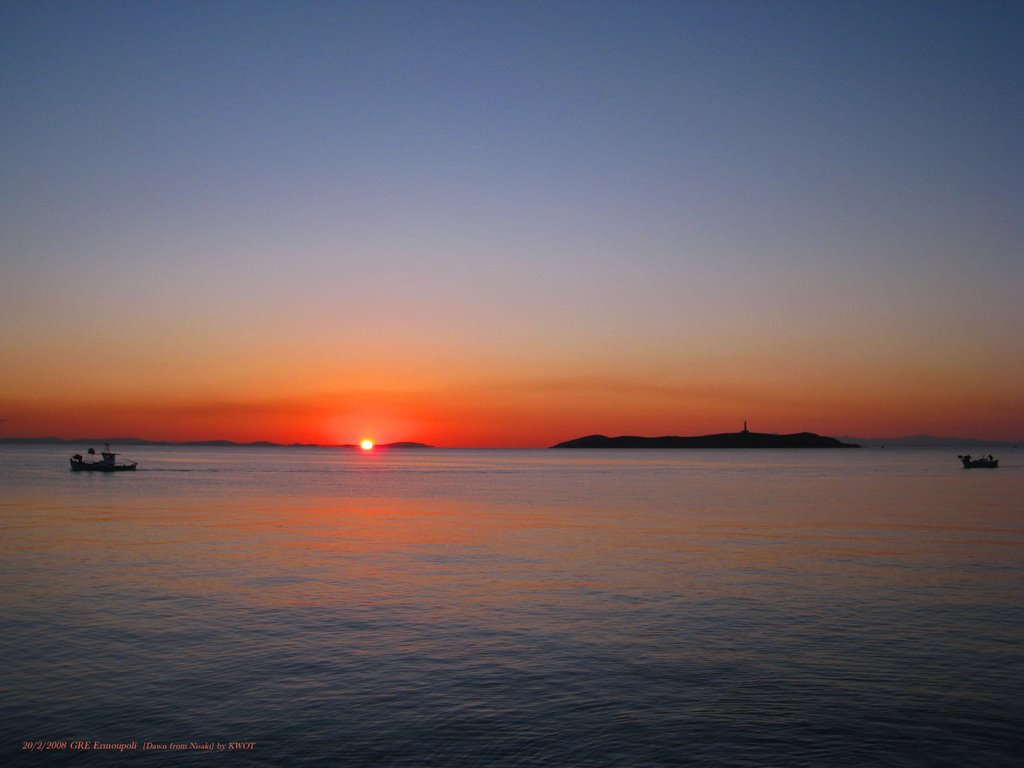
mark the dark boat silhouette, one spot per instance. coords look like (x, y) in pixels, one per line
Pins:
(106, 463)
(985, 462)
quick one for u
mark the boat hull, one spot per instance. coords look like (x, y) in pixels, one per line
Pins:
(980, 463)
(99, 466)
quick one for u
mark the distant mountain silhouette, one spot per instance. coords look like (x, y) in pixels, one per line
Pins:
(742, 439)
(931, 441)
(123, 441)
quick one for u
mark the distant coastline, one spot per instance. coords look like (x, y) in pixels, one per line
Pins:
(930, 441)
(123, 441)
(590, 441)
(742, 439)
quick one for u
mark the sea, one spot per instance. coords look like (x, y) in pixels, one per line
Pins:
(580, 608)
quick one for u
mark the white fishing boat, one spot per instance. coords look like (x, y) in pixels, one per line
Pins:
(107, 462)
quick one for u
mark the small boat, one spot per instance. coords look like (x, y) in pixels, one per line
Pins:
(985, 462)
(106, 463)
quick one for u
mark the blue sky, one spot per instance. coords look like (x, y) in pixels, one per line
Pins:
(458, 194)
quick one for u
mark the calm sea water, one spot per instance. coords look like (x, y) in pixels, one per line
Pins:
(514, 608)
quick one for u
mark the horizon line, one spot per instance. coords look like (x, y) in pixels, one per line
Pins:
(225, 442)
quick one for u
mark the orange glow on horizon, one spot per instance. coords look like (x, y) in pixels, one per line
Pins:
(533, 412)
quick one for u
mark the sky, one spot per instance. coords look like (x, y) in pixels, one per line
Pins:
(509, 224)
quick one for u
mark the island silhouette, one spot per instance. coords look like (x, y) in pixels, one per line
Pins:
(743, 439)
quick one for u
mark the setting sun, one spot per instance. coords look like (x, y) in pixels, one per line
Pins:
(366, 444)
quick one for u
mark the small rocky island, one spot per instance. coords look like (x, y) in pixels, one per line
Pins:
(744, 439)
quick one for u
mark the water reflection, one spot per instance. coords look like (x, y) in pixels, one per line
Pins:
(522, 608)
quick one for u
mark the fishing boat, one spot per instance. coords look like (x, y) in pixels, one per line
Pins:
(106, 463)
(984, 462)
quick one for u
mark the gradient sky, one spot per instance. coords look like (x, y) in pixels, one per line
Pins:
(509, 224)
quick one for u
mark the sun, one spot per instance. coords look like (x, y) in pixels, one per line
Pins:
(366, 444)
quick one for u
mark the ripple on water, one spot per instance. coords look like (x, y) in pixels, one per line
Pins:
(520, 610)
